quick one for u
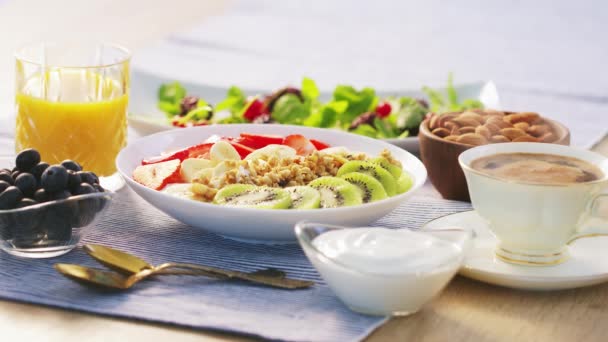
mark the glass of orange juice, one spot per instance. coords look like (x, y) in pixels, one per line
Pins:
(71, 103)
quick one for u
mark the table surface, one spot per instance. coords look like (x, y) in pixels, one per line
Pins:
(467, 310)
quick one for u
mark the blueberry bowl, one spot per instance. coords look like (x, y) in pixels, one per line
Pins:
(49, 227)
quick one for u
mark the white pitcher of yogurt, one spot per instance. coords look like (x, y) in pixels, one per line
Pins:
(382, 271)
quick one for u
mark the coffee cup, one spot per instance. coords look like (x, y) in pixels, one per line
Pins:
(534, 222)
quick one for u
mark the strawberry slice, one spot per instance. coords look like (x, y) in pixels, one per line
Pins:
(319, 145)
(180, 155)
(257, 141)
(156, 176)
(299, 143)
(199, 151)
(241, 149)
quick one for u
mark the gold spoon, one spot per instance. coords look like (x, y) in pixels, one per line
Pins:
(135, 269)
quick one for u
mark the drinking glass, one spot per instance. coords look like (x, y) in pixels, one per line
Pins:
(71, 103)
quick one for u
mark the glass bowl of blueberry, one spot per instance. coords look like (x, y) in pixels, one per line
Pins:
(46, 209)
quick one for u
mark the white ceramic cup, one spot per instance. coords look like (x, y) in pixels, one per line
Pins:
(534, 223)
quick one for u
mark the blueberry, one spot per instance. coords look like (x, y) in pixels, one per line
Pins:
(89, 177)
(10, 197)
(15, 174)
(60, 195)
(26, 182)
(5, 176)
(54, 179)
(74, 180)
(27, 159)
(41, 196)
(26, 202)
(3, 185)
(71, 165)
(99, 188)
(39, 169)
(58, 222)
(84, 189)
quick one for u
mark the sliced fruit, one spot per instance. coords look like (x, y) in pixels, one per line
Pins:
(156, 176)
(371, 189)
(319, 145)
(182, 190)
(279, 151)
(223, 150)
(336, 192)
(251, 196)
(304, 197)
(388, 166)
(300, 143)
(257, 141)
(199, 151)
(254, 109)
(192, 166)
(404, 183)
(179, 155)
(204, 174)
(242, 150)
(388, 181)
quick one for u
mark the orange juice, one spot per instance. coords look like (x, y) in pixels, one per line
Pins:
(69, 123)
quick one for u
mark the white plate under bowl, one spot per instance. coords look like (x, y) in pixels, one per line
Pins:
(145, 118)
(261, 225)
(587, 265)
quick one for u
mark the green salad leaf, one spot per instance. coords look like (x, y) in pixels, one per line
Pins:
(170, 96)
(288, 109)
(359, 102)
(234, 102)
(309, 89)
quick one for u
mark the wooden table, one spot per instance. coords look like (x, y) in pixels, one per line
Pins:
(467, 310)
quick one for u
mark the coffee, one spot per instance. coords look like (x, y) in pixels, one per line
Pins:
(538, 168)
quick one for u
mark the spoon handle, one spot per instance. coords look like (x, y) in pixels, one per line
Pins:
(280, 282)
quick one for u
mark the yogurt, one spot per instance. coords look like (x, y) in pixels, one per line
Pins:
(385, 271)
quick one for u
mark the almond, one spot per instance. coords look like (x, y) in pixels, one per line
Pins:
(464, 122)
(471, 115)
(483, 131)
(538, 130)
(441, 132)
(498, 121)
(499, 139)
(451, 125)
(451, 138)
(434, 121)
(444, 118)
(547, 137)
(494, 112)
(525, 138)
(512, 133)
(522, 125)
(494, 129)
(471, 139)
(528, 117)
(467, 129)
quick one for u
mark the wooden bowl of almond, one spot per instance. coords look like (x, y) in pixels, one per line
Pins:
(444, 136)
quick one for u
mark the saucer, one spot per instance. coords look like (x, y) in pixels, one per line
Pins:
(587, 265)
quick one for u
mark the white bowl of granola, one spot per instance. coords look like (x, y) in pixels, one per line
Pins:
(255, 224)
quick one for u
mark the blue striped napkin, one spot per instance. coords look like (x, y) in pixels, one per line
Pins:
(313, 314)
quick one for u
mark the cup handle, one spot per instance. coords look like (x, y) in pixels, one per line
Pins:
(592, 212)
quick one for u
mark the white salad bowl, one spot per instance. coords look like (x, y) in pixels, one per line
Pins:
(261, 225)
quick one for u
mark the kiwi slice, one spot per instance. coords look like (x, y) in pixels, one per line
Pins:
(404, 183)
(371, 189)
(384, 177)
(304, 197)
(336, 192)
(388, 166)
(251, 196)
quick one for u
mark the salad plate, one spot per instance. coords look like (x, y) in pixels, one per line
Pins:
(255, 224)
(146, 118)
(587, 265)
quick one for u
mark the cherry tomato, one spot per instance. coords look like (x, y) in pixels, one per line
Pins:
(299, 143)
(255, 109)
(383, 109)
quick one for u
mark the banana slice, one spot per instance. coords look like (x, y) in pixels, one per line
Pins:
(204, 174)
(279, 151)
(181, 190)
(222, 150)
(190, 167)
